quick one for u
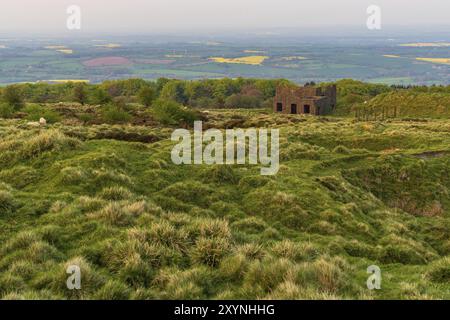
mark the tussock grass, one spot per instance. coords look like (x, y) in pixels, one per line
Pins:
(143, 228)
(89, 204)
(91, 280)
(113, 290)
(115, 193)
(114, 214)
(295, 251)
(7, 202)
(439, 271)
(266, 274)
(195, 283)
(209, 251)
(166, 234)
(30, 146)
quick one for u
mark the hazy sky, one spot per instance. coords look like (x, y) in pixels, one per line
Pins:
(155, 16)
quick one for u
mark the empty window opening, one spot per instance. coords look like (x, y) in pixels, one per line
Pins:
(293, 109)
(307, 109)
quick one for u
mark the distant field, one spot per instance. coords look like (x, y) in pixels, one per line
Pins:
(299, 61)
(436, 60)
(426, 44)
(107, 61)
(252, 60)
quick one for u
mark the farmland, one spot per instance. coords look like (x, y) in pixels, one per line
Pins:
(299, 59)
(251, 60)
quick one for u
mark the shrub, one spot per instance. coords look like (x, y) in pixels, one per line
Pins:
(35, 112)
(115, 115)
(169, 112)
(13, 96)
(6, 110)
(100, 96)
(243, 101)
(203, 102)
(146, 96)
(86, 117)
(79, 93)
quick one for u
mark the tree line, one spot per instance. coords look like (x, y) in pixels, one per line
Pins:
(211, 93)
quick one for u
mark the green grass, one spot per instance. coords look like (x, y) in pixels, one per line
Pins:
(348, 195)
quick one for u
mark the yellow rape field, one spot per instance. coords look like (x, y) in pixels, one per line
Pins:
(435, 60)
(251, 60)
(66, 51)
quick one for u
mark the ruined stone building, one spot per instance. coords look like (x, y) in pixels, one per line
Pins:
(305, 100)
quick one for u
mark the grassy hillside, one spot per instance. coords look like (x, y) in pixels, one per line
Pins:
(108, 198)
(407, 104)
